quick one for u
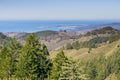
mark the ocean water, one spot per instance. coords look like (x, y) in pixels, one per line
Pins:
(39, 25)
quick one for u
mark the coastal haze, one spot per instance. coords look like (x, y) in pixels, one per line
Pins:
(55, 25)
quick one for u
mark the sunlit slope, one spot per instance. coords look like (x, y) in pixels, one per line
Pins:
(84, 54)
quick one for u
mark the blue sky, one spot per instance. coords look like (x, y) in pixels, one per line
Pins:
(59, 9)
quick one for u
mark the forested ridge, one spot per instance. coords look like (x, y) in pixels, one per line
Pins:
(99, 37)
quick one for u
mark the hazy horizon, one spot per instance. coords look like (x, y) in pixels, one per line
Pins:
(59, 10)
(56, 25)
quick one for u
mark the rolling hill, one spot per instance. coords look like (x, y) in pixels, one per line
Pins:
(82, 54)
(57, 39)
(53, 39)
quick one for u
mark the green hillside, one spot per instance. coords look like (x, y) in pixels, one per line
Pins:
(101, 37)
(99, 62)
(106, 49)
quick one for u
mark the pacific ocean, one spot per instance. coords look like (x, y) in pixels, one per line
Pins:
(40, 25)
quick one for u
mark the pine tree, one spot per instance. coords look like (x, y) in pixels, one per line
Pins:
(4, 63)
(14, 49)
(69, 46)
(76, 45)
(66, 69)
(90, 69)
(72, 70)
(8, 58)
(57, 63)
(34, 62)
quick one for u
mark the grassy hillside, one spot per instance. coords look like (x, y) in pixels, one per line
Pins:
(108, 51)
(100, 54)
(82, 53)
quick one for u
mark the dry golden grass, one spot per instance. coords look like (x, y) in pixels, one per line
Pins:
(14, 79)
(111, 77)
(82, 54)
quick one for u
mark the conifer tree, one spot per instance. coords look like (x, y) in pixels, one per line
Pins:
(14, 49)
(72, 70)
(57, 63)
(9, 57)
(76, 45)
(34, 62)
(66, 69)
(4, 63)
